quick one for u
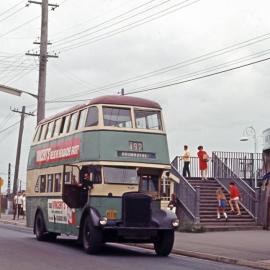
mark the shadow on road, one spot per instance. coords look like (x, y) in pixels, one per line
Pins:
(110, 249)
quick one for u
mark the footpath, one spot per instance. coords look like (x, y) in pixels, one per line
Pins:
(246, 248)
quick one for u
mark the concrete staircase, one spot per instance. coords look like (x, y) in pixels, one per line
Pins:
(208, 207)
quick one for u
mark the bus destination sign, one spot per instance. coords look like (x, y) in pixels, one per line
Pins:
(133, 154)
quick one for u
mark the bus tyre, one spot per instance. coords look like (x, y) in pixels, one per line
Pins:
(40, 229)
(91, 237)
(164, 243)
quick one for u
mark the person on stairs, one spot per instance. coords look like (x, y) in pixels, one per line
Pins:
(203, 159)
(234, 197)
(221, 199)
(186, 159)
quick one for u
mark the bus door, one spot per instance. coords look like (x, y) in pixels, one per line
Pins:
(71, 186)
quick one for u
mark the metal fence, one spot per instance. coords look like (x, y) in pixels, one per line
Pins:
(178, 163)
(188, 196)
(224, 175)
(242, 164)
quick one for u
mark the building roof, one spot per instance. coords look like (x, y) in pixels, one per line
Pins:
(110, 100)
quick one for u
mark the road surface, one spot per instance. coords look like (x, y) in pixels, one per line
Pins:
(20, 250)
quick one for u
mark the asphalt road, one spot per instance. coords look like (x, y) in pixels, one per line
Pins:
(19, 250)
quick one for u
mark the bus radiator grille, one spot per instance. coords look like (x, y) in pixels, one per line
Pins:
(136, 210)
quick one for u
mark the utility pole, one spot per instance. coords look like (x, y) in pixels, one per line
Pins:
(9, 198)
(43, 55)
(9, 173)
(18, 154)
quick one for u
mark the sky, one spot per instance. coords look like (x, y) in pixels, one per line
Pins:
(104, 46)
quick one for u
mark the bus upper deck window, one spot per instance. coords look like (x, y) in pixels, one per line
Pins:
(117, 117)
(49, 131)
(37, 134)
(56, 128)
(63, 123)
(73, 122)
(43, 132)
(92, 117)
(82, 117)
(148, 119)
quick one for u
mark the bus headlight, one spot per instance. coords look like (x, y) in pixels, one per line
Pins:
(103, 221)
(175, 223)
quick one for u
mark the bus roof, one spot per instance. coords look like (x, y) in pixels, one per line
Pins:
(110, 100)
(125, 100)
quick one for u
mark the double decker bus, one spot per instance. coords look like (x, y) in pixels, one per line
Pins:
(119, 144)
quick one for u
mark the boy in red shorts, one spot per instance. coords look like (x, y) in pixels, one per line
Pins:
(234, 197)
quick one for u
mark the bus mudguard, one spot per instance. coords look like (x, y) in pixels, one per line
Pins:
(164, 218)
(93, 213)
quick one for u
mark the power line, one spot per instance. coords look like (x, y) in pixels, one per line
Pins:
(19, 26)
(128, 27)
(204, 57)
(13, 13)
(185, 76)
(12, 7)
(198, 78)
(109, 20)
(60, 33)
(7, 128)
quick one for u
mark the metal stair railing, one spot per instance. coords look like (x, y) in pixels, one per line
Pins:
(188, 196)
(224, 175)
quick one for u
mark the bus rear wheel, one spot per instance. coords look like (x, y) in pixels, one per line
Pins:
(164, 243)
(40, 230)
(40, 227)
(91, 237)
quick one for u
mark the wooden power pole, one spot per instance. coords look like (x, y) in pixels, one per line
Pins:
(43, 55)
(18, 154)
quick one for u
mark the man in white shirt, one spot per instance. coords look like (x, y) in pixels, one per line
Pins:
(186, 159)
(15, 205)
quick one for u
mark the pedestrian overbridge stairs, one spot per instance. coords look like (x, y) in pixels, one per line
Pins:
(197, 202)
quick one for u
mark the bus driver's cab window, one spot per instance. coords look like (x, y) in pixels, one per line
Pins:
(94, 174)
(149, 182)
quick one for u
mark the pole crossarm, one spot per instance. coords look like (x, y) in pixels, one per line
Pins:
(37, 54)
(40, 3)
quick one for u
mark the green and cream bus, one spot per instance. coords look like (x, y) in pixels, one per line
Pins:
(120, 143)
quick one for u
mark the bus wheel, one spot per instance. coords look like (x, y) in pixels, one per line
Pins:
(40, 227)
(91, 237)
(164, 243)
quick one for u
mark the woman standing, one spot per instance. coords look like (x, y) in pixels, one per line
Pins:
(203, 159)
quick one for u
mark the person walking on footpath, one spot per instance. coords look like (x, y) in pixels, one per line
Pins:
(15, 205)
(234, 197)
(20, 204)
(203, 159)
(221, 199)
(186, 158)
(23, 205)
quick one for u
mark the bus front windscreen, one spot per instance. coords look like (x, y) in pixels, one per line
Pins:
(117, 175)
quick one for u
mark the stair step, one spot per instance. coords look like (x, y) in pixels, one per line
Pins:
(208, 209)
(214, 219)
